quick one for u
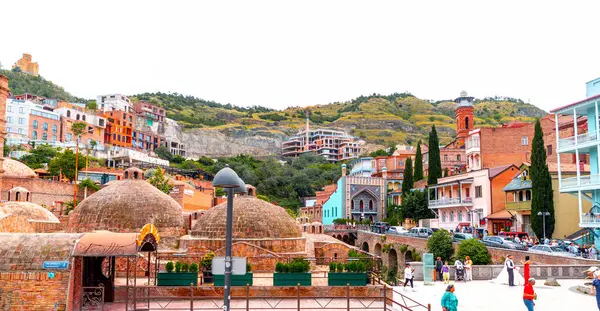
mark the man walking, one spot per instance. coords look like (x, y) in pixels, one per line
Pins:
(596, 285)
(529, 295)
(438, 268)
(510, 267)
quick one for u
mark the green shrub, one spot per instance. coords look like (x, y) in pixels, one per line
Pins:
(248, 267)
(206, 262)
(332, 266)
(178, 266)
(440, 244)
(476, 250)
(194, 267)
(403, 248)
(279, 267)
(340, 267)
(170, 266)
(347, 266)
(185, 267)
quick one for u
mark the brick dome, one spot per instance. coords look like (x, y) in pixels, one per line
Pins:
(13, 168)
(252, 219)
(126, 206)
(30, 211)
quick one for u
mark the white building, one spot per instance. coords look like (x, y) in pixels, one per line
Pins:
(114, 102)
(17, 115)
(77, 115)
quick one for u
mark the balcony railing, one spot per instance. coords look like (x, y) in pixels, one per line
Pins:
(590, 220)
(581, 138)
(450, 201)
(518, 206)
(472, 144)
(585, 181)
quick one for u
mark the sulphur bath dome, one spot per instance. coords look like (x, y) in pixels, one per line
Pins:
(126, 206)
(18, 214)
(14, 168)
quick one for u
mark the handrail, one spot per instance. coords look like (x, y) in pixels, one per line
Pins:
(404, 297)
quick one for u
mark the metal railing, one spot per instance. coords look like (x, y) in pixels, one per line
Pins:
(92, 298)
(584, 181)
(581, 138)
(590, 219)
(449, 201)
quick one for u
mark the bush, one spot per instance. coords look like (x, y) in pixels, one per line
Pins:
(206, 262)
(194, 267)
(332, 266)
(298, 265)
(185, 267)
(170, 266)
(178, 266)
(340, 267)
(440, 244)
(476, 250)
(279, 267)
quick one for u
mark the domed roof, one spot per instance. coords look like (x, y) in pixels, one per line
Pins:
(31, 211)
(126, 205)
(252, 219)
(13, 168)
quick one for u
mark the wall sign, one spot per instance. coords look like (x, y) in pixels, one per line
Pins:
(55, 265)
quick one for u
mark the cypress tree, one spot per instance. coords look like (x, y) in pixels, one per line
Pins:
(418, 174)
(407, 181)
(435, 163)
(541, 186)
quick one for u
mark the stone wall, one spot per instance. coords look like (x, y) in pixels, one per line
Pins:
(278, 246)
(33, 290)
(43, 192)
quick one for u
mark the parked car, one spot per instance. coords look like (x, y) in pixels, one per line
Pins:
(518, 246)
(501, 242)
(458, 237)
(380, 227)
(513, 234)
(420, 232)
(397, 230)
(553, 250)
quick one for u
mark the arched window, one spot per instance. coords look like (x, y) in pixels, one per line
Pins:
(444, 217)
(54, 128)
(520, 196)
(34, 135)
(467, 123)
(362, 205)
(77, 118)
(528, 195)
(83, 117)
(352, 204)
(68, 113)
(451, 216)
(35, 124)
(54, 137)
(17, 196)
(45, 127)
(460, 216)
(371, 205)
(44, 136)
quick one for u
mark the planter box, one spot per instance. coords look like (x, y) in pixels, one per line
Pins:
(344, 278)
(177, 279)
(236, 280)
(292, 279)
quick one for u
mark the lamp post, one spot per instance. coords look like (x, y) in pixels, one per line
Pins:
(228, 179)
(544, 214)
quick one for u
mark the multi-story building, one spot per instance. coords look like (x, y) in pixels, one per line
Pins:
(95, 125)
(146, 140)
(361, 167)
(44, 125)
(119, 128)
(27, 65)
(150, 111)
(332, 144)
(583, 142)
(114, 102)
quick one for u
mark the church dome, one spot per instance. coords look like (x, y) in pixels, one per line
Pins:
(13, 168)
(252, 219)
(126, 206)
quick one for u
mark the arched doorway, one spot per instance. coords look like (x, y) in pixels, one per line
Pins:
(408, 257)
(339, 237)
(378, 249)
(345, 239)
(393, 259)
(365, 247)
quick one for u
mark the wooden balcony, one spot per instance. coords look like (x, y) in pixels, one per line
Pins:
(518, 206)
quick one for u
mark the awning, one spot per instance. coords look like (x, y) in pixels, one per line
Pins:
(501, 215)
(106, 244)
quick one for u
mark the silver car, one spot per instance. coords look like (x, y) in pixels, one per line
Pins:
(552, 250)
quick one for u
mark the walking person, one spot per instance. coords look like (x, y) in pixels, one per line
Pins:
(526, 272)
(510, 268)
(446, 273)
(408, 277)
(596, 285)
(449, 300)
(438, 268)
(529, 295)
(468, 269)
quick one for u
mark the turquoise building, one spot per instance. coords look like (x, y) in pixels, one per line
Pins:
(584, 141)
(332, 209)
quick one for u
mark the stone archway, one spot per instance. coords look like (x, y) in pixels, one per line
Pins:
(378, 249)
(393, 259)
(365, 247)
(408, 256)
(339, 237)
(345, 239)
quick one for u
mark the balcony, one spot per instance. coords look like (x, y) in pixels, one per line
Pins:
(518, 206)
(586, 182)
(590, 220)
(450, 202)
(585, 139)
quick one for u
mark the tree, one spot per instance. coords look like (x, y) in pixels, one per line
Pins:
(38, 156)
(91, 105)
(88, 183)
(542, 199)
(476, 250)
(414, 206)
(435, 163)
(163, 153)
(78, 128)
(64, 162)
(407, 182)
(378, 153)
(440, 244)
(160, 181)
(418, 174)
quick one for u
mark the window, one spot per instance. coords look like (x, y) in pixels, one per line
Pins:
(9, 108)
(469, 216)
(460, 216)
(478, 192)
(371, 205)
(458, 157)
(77, 117)
(524, 141)
(467, 192)
(549, 150)
(401, 163)
(34, 135)
(68, 137)
(83, 117)
(35, 124)
(68, 113)
(54, 128)
(8, 119)
(21, 110)
(21, 131)
(21, 120)
(467, 123)
(54, 137)
(45, 126)
(451, 216)
(445, 158)
(44, 136)
(444, 217)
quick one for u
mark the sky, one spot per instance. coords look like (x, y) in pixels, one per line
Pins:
(304, 53)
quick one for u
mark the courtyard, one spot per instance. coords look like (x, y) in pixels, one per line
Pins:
(485, 295)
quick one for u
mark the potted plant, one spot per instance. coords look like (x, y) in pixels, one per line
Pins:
(353, 273)
(206, 264)
(293, 273)
(181, 276)
(236, 279)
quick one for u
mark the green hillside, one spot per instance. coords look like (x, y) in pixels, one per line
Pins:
(20, 83)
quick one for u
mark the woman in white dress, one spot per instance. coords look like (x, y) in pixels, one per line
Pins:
(502, 278)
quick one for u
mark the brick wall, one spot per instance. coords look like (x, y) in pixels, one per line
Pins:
(42, 191)
(277, 246)
(33, 290)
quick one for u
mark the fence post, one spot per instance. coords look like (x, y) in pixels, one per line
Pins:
(298, 296)
(347, 296)
(384, 297)
(247, 297)
(191, 296)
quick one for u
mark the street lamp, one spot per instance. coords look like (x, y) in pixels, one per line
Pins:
(544, 214)
(228, 179)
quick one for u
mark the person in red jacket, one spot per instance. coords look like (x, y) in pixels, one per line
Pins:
(529, 295)
(526, 272)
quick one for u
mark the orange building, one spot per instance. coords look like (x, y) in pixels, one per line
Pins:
(27, 65)
(95, 133)
(119, 128)
(44, 126)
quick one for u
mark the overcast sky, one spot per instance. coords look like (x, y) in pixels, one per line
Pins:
(284, 53)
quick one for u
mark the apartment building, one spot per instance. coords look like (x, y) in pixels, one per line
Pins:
(332, 144)
(150, 111)
(119, 128)
(113, 102)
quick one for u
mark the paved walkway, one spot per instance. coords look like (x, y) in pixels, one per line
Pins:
(484, 295)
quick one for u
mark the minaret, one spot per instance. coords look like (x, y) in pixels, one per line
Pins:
(464, 116)
(3, 95)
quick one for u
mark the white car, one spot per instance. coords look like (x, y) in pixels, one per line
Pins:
(552, 250)
(397, 230)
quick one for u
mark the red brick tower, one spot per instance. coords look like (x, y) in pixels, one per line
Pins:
(3, 96)
(464, 116)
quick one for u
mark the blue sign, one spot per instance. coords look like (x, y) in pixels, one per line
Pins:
(50, 275)
(55, 265)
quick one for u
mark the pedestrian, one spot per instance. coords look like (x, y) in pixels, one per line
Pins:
(526, 272)
(468, 269)
(449, 300)
(446, 273)
(596, 285)
(517, 240)
(438, 268)
(529, 295)
(510, 267)
(408, 277)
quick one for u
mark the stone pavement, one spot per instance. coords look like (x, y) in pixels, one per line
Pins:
(485, 295)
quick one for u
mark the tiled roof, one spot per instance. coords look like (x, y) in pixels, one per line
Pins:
(518, 184)
(575, 103)
(495, 171)
(503, 214)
